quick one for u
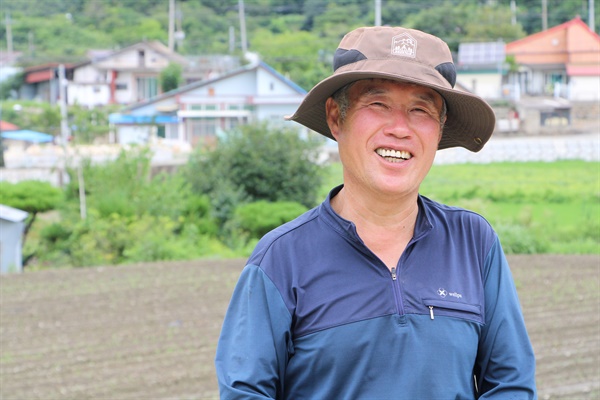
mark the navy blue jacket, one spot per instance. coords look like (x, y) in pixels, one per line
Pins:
(316, 315)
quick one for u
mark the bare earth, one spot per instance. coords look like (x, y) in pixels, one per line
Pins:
(149, 331)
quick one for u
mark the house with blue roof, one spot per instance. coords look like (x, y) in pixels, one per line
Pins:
(200, 111)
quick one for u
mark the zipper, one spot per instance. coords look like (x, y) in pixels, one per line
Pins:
(458, 308)
(397, 292)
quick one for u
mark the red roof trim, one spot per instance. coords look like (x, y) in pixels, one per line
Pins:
(7, 126)
(583, 70)
(563, 26)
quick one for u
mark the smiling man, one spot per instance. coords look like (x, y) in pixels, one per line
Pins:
(379, 292)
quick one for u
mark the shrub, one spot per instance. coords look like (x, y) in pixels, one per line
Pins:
(260, 217)
(30, 196)
(517, 239)
(256, 162)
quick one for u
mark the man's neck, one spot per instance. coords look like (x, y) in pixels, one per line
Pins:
(385, 226)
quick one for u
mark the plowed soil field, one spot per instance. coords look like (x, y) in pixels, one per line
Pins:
(149, 331)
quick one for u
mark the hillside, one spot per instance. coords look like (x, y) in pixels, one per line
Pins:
(296, 37)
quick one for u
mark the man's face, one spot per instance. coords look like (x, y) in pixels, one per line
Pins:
(389, 137)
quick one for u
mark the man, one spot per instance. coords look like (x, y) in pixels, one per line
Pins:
(380, 293)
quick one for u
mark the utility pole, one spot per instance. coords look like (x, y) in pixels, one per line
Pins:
(171, 25)
(513, 12)
(544, 15)
(243, 26)
(231, 39)
(591, 17)
(9, 39)
(377, 12)
(62, 93)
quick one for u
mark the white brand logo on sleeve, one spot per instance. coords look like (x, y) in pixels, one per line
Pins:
(404, 45)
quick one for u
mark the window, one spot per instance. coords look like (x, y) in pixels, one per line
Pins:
(203, 107)
(204, 126)
(121, 86)
(141, 58)
(231, 123)
(146, 88)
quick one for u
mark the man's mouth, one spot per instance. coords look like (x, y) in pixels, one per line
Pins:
(394, 155)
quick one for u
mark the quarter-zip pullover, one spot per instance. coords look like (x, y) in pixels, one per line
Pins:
(316, 315)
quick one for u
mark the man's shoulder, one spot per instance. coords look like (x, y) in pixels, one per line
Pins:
(450, 211)
(285, 234)
(457, 220)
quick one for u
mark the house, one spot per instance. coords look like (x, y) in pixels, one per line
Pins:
(563, 61)
(482, 70)
(12, 226)
(198, 112)
(40, 82)
(123, 76)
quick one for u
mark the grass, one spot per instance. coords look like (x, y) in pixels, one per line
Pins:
(535, 207)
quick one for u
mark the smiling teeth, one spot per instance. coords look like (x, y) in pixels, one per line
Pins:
(394, 155)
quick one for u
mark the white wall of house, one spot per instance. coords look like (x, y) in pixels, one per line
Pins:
(135, 134)
(584, 88)
(125, 88)
(138, 57)
(487, 85)
(88, 95)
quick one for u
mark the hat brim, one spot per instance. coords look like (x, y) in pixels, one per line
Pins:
(470, 120)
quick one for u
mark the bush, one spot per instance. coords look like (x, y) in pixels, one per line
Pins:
(30, 196)
(253, 163)
(260, 217)
(517, 239)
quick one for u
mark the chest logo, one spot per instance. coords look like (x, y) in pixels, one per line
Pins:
(442, 292)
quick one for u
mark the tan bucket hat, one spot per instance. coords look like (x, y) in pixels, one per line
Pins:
(405, 55)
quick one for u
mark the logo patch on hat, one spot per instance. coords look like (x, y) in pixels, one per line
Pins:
(404, 45)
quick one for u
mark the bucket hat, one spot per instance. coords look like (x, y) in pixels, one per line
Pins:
(404, 55)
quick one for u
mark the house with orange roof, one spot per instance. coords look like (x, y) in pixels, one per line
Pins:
(563, 62)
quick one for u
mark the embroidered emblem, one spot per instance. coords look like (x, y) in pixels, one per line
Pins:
(404, 45)
(442, 292)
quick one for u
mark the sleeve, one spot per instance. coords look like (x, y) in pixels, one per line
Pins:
(255, 340)
(505, 361)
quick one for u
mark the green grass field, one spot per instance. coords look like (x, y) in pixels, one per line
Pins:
(535, 207)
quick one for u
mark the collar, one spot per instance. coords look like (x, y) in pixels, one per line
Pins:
(347, 228)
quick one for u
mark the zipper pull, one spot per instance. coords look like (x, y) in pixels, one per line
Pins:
(431, 312)
(394, 273)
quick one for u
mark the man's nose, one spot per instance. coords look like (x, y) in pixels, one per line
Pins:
(399, 124)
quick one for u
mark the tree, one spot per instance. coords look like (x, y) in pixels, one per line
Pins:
(256, 162)
(171, 77)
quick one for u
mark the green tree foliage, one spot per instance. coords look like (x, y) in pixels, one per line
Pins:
(256, 162)
(31, 196)
(10, 86)
(131, 216)
(171, 77)
(85, 124)
(297, 37)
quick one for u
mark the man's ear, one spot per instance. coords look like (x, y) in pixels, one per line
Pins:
(332, 111)
(442, 123)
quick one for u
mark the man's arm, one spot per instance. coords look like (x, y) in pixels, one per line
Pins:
(505, 361)
(255, 340)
